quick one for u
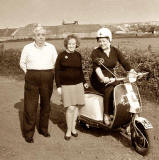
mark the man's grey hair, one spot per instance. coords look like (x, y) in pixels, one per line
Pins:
(38, 28)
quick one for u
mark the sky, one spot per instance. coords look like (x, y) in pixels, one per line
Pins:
(19, 13)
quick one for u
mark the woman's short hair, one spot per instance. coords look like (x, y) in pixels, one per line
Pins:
(71, 36)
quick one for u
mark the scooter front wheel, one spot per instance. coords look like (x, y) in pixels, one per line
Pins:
(141, 139)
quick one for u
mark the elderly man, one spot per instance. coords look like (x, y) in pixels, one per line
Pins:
(37, 61)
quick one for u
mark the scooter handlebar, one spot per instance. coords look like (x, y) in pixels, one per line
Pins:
(141, 74)
(120, 79)
(112, 80)
(138, 75)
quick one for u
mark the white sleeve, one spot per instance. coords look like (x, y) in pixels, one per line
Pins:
(23, 59)
(54, 55)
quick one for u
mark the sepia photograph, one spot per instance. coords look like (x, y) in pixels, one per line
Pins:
(79, 80)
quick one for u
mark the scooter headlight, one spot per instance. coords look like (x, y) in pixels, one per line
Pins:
(132, 77)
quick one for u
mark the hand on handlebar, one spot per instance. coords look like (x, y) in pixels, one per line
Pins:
(112, 80)
(108, 80)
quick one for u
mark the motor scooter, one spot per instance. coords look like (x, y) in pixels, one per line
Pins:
(125, 116)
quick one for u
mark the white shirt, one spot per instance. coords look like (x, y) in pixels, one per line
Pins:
(36, 58)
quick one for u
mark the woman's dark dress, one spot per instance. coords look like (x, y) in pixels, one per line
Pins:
(110, 62)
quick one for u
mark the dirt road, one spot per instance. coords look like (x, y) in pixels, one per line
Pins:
(91, 144)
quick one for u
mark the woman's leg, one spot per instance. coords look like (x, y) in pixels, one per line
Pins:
(107, 98)
(69, 120)
(75, 115)
(108, 101)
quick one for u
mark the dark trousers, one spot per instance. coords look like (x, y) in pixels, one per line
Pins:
(37, 84)
(107, 92)
(108, 99)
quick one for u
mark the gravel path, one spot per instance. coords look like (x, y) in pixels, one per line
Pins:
(91, 144)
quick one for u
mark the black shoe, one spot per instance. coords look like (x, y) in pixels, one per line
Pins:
(29, 140)
(67, 138)
(74, 134)
(47, 134)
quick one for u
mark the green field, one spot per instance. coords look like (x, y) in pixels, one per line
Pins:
(123, 43)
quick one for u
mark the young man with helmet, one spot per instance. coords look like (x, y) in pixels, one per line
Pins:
(108, 55)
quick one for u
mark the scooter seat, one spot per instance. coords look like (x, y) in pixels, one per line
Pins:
(92, 91)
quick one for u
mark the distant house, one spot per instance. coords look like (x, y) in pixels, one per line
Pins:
(120, 32)
(69, 23)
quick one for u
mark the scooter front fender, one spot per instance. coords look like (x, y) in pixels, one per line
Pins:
(145, 123)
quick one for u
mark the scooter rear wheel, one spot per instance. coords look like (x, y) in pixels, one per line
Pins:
(142, 140)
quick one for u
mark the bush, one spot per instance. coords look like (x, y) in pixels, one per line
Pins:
(9, 62)
(140, 61)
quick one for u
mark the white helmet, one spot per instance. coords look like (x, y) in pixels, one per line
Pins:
(104, 32)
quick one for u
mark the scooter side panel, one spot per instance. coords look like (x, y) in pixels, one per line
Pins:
(93, 108)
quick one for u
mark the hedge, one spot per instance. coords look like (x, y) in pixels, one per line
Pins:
(140, 60)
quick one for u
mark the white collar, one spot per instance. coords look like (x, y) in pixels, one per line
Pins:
(107, 52)
(45, 44)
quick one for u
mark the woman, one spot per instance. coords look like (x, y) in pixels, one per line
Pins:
(69, 79)
(108, 56)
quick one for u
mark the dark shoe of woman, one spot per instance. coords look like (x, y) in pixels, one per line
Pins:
(74, 134)
(47, 134)
(67, 138)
